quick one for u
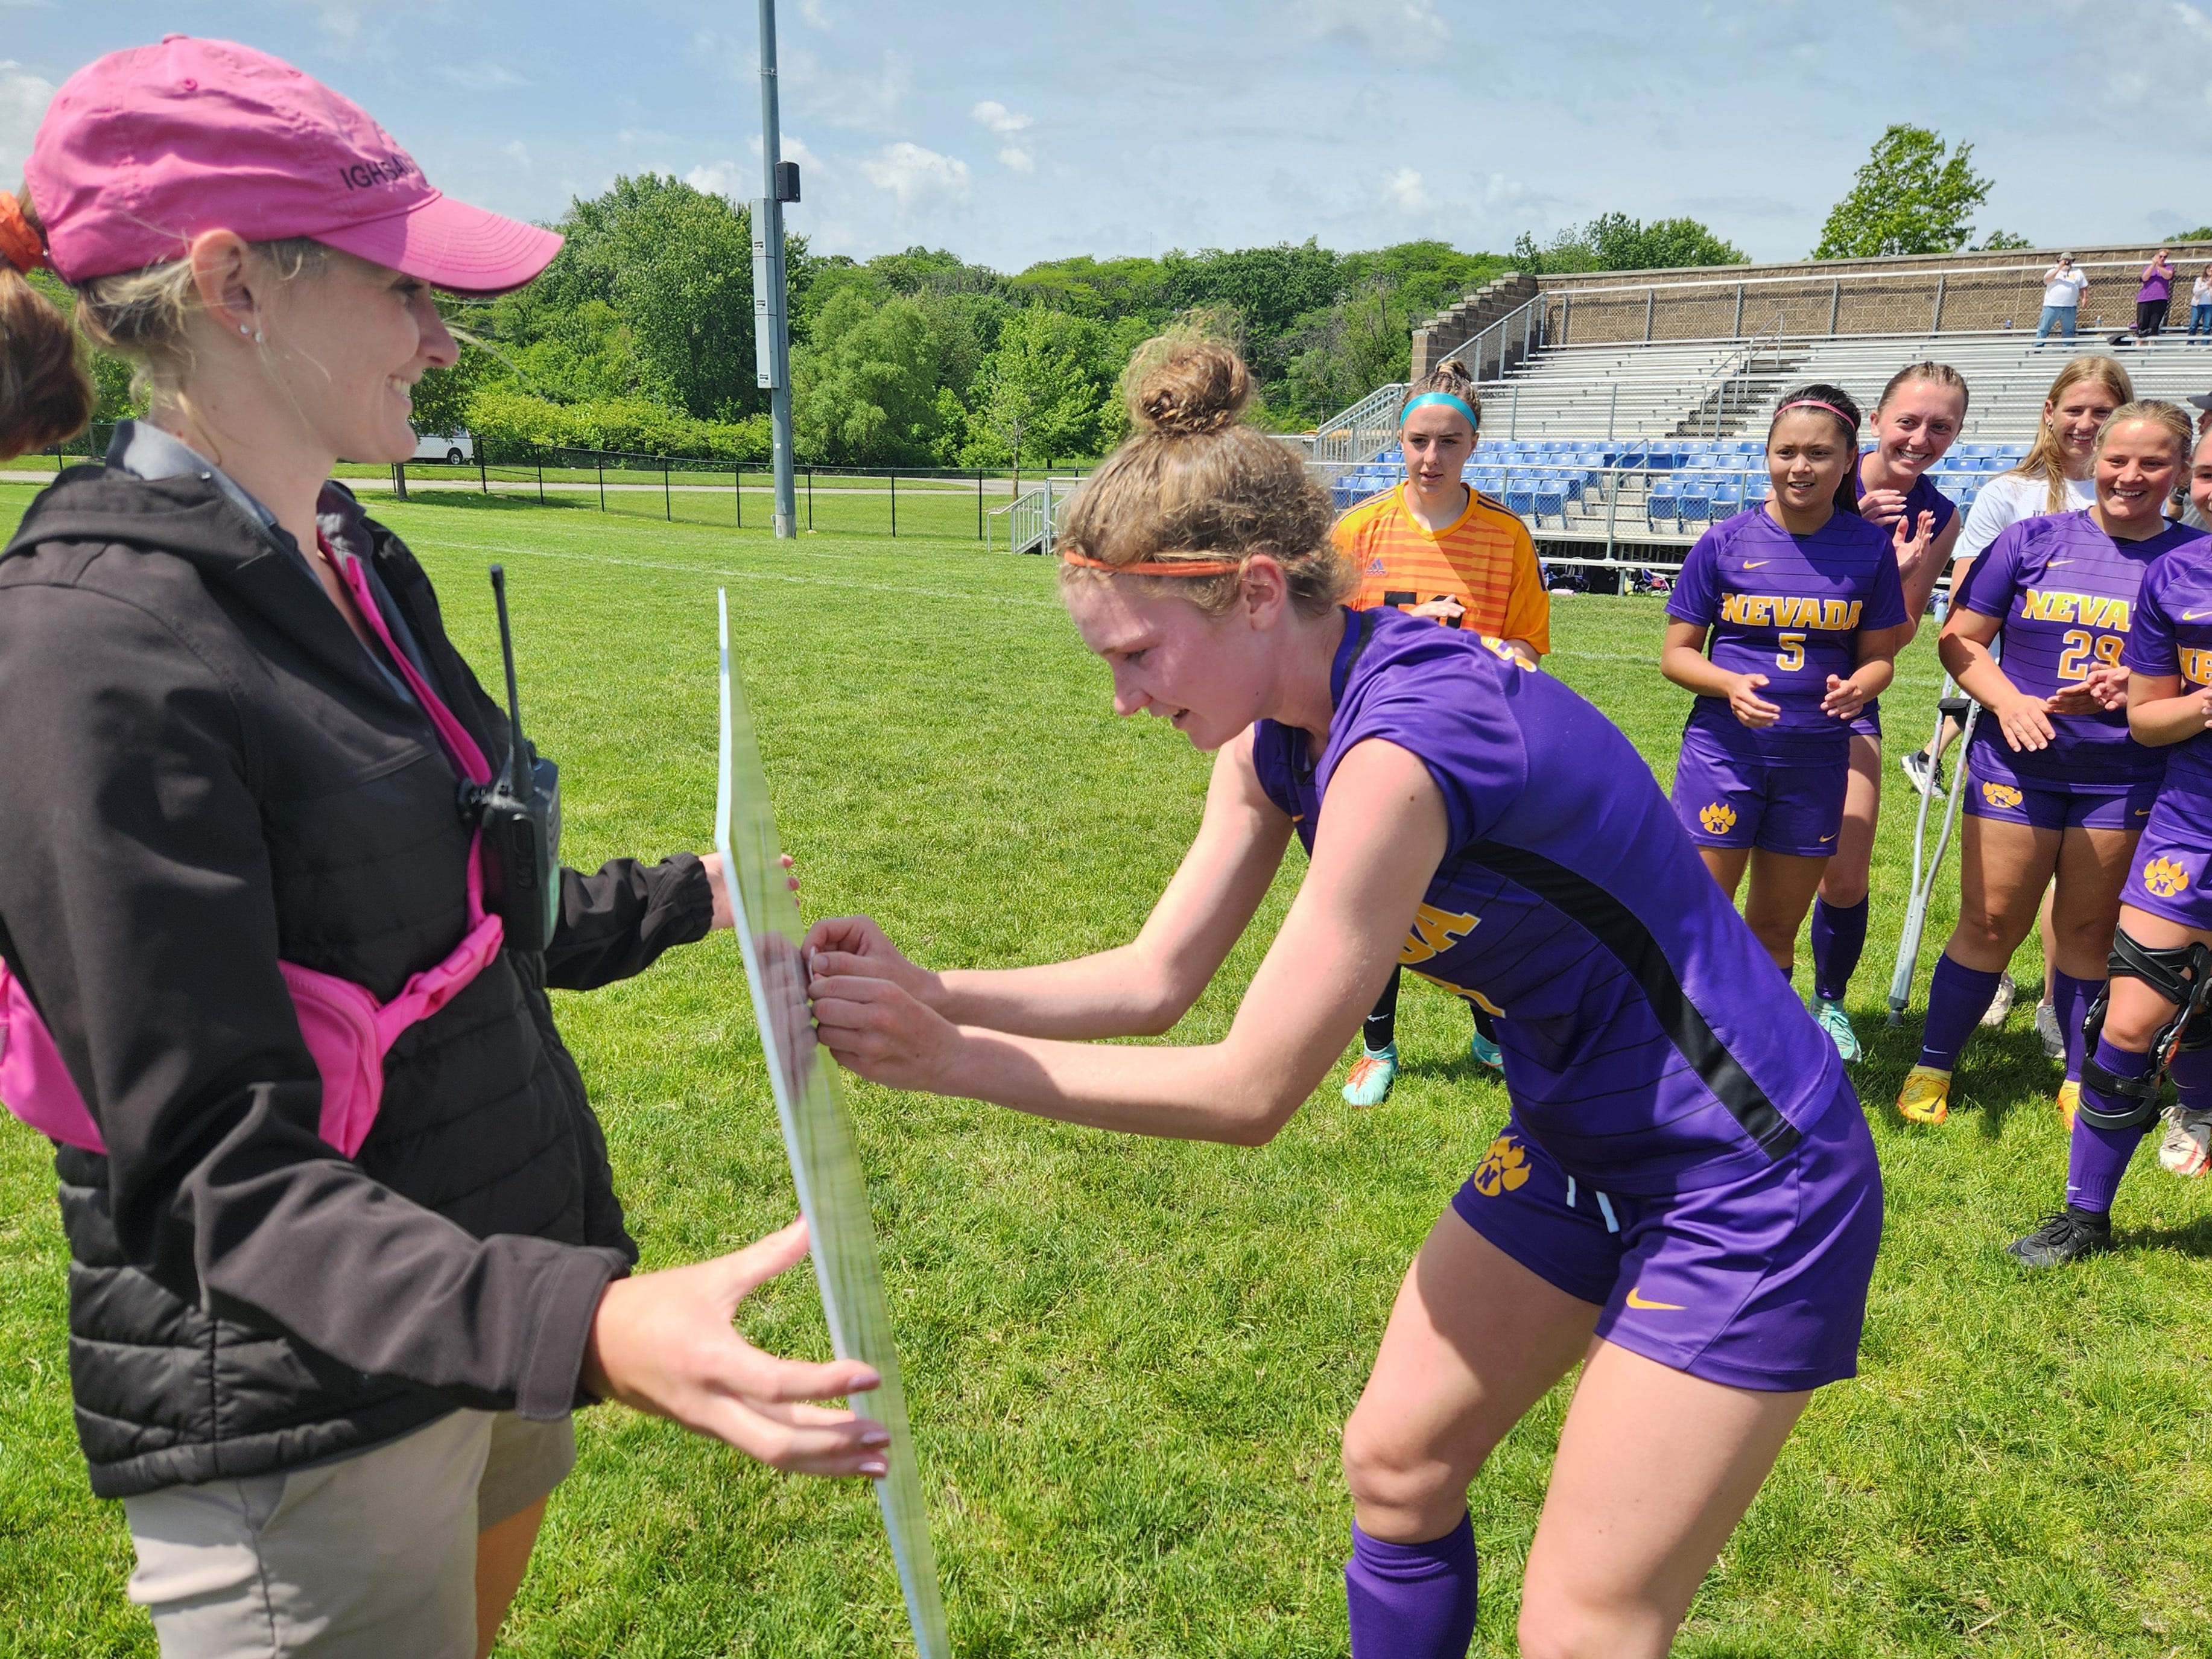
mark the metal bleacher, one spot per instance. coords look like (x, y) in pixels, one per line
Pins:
(1634, 448)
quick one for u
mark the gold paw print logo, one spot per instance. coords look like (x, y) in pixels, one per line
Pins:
(1503, 1167)
(1718, 818)
(2000, 794)
(2164, 878)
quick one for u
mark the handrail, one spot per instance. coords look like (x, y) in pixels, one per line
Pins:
(1532, 331)
(1715, 277)
(1363, 431)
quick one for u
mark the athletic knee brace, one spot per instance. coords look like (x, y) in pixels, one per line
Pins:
(2181, 975)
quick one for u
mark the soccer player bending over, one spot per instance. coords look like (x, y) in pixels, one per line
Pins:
(1802, 602)
(1684, 1201)
(2161, 962)
(1433, 547)
(2054, 780)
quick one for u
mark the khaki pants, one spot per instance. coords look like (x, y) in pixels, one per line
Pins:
(365, 1556)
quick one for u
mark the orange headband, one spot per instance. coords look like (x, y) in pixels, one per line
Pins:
(20, 245)
(1158, 567)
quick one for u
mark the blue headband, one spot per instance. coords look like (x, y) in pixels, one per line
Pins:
(1446, 397)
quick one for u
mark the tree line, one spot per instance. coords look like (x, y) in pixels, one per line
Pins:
(638, 335)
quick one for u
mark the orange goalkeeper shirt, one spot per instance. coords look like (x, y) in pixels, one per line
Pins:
(1485, 559)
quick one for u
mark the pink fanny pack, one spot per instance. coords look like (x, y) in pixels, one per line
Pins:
(348, 1031)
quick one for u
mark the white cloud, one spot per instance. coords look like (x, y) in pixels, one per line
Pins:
(1399, 28)
(792, 147)
(916, 176)
(1405, 189)
(519, 153)
(635, 136)
(725, 178)
(844, 97)
(23, 100)
(811, 11)
(1009, 124)
(480, 77)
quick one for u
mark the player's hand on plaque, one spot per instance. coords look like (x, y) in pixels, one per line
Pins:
(882, 1032)
(840, 946)
(664, 1343)
(2025, 721)
(1747, 706)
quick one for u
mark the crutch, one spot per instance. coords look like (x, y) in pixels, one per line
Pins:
(1925, 869)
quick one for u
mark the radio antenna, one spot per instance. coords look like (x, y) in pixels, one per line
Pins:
(518, 770)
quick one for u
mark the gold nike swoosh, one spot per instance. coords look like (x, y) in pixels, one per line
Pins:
(1636, 1300)
(2058, 561)
(2191, 616)
(1829, 838)
(1754, 564)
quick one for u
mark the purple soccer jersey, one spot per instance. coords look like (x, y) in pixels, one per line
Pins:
(1650, 1044)
(1788, 607)
(2066, 594)
(2173, 634)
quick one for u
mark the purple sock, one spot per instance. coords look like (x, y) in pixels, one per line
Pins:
(1838, 938)
(1957, 998)
(2072, 998)
(2096, 1159)
(1412, 1601)
(2191, 1071)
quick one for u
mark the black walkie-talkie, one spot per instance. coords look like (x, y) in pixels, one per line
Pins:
(520, 811)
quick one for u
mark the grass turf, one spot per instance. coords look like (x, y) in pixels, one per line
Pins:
(1129, 1361)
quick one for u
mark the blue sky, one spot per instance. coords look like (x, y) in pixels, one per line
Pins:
(1015, 133)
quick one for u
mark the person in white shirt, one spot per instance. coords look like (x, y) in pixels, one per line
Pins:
(2200, 306)
(2053, 477)
(2063, 288)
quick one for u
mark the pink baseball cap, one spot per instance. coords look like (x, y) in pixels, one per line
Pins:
(143, 149)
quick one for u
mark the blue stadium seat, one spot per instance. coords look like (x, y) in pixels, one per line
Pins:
(1660, 507)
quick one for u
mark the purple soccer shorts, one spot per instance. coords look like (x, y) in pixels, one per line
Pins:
(1759, 1281)
(1738, 800)
(2172, 866)
(1996, 791)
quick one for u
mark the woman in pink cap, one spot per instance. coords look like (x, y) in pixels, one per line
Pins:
(326, 1361)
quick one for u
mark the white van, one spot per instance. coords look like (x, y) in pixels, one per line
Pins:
(451, 447)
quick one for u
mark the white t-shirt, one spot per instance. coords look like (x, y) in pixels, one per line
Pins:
(2006, 500)
(2200, 291)
(2065, 289)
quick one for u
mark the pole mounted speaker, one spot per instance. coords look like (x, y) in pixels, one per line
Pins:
(787, 181)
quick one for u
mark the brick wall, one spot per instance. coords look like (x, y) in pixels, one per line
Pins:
(1929, 293)
(1457, 323)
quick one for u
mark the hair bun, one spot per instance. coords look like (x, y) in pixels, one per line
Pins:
(1180, 388)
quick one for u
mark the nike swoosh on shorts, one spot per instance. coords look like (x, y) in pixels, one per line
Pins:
(1636, 1300)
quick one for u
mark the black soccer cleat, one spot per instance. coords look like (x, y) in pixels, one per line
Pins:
(2064, 1238)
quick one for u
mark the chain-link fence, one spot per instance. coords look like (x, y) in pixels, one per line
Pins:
(928, 503)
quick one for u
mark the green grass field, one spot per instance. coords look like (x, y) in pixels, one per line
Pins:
(1129, 1361)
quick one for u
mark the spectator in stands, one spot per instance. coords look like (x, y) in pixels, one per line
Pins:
(2155, 296)
(331, 1385)
(2200, 306)
(1803, 637)
(2056, 787)
(2063, 288)
(2053, 477)
(1433, 547)
(2193, 515)
(1918, 420)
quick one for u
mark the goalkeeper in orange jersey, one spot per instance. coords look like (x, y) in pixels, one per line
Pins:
(1435, 547)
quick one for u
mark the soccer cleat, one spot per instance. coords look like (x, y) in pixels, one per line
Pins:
(2000, 1003)
(2048, 1028)
(1832, 1018)
(1926, 1095)
(1486, 1052)
(2187, 1148)
(1925, 775)
(1372, 1075)
(2069, 1102)
(2065, 1237)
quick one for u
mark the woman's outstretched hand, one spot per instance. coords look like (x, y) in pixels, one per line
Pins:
(841, 946)
(881, 1030)
(663, 1342)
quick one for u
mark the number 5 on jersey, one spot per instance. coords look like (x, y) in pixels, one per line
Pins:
(1791, 657)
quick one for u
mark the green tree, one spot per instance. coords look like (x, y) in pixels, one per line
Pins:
(2201, 233)
(1041, 395)
(1615, 241)
(863, 390)
(2002, 239)
(1914, 195)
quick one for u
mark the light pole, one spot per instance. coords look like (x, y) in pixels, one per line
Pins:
(771, 310)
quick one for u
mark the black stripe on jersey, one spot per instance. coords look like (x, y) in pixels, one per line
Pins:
(1617, 928)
